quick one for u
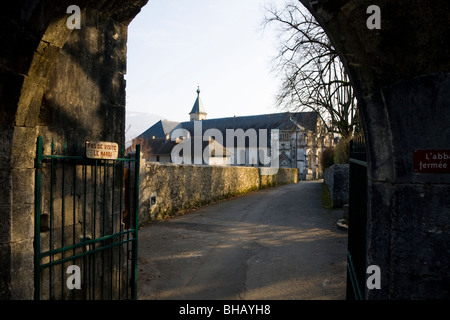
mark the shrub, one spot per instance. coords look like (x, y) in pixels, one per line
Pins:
(327, 158)
(342, 151)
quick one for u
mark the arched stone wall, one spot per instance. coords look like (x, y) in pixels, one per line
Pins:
(59, 83)
(401, 75)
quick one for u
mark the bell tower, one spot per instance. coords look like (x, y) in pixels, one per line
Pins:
(197, 112)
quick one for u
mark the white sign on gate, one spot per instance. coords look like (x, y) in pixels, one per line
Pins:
(102, 150)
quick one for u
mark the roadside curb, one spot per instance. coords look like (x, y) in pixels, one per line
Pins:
(342, 224)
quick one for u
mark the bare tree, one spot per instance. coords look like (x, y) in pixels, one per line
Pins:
(312, 75)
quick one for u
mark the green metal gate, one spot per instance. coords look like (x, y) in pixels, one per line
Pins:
(357, 220)
(86, 225)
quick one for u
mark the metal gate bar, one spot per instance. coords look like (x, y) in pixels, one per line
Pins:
(106, 240)
(352, 275)
(357, 221)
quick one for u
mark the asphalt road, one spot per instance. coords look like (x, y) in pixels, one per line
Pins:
(277, 243)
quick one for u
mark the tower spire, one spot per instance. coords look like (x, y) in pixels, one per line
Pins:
(198, 111)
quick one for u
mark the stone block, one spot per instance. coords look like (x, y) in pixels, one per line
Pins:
(336, 178)
(5, 147)
(22, 222)
(30, 102)
(407, 236)
(5, 224)
(23, 148)
(5, 187)
(22, 270)
(420, 236)
(22, 186)
(5, 271)
(419, 118)
(57, 33)
(345, 211)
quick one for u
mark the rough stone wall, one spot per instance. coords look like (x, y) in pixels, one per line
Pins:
(86, 86)
(336, 179)
(401, 77)
(180, 187)
(62, 84)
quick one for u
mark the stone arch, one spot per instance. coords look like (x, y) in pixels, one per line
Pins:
(401, 77)
(36, 60)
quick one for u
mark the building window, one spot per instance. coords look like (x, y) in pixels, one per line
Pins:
(285, 136)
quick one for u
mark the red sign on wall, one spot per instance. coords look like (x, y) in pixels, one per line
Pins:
(432, 161)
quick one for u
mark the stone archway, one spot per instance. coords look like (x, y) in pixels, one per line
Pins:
(401, 75)
(59, 83)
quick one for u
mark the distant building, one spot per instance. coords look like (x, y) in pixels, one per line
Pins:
(302, 138)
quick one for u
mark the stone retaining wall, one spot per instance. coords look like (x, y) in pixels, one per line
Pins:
(166, 189)
(336, 179)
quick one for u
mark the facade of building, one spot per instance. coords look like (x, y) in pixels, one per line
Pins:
(300, 140)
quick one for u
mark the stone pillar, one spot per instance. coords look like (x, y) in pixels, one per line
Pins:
(401, 75)
(60, 83)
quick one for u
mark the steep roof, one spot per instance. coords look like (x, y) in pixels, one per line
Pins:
(158, 130)
(157, 146)
(281, 121)
(198, 105)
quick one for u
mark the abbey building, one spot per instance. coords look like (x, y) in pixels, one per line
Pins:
(300, 141)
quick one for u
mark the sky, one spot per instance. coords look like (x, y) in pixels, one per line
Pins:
(174, 46)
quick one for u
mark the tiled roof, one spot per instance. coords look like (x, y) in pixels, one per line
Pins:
(156, 147)
(159, 130)
(281, 121)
